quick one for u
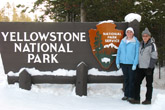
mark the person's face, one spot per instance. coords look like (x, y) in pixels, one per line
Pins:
(129, 34)
(146, 37)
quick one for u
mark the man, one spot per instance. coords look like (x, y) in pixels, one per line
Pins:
(147, 59)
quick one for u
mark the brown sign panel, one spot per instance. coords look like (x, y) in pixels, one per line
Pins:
(104, 43)
(48, 46)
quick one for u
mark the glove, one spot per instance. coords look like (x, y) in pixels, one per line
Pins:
(118, 66)
(133, 67)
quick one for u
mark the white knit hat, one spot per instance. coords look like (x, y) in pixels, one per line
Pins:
(129, 29)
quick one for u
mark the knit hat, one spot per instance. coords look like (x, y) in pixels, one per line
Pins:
(129, 29)
(146, 31)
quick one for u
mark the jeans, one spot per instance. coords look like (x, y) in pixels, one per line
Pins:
(129, 77)
(141, 74)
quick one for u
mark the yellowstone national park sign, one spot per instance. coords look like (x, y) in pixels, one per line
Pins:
(52, 46)
(104, 43)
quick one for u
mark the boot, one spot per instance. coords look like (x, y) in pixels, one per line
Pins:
(124, 98)
(134, 101)
(146, 102)
(129, 99)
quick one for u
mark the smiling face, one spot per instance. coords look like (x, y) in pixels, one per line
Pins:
(129, 34)
(145, 38)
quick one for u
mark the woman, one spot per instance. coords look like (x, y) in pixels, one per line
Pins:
(127, 59)
(147, 59)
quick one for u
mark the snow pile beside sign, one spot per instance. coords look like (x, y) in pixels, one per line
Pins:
(131, 17)
(35, 72)
(64, 72)
(159, 102)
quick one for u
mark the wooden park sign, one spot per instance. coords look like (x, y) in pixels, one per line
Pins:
(104, 43)
(50, 46)
(53, 46)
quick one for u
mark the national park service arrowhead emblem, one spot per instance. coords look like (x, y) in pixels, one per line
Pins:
(104, 42)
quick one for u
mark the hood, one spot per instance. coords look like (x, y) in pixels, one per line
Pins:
(150, 41)
(132, 40)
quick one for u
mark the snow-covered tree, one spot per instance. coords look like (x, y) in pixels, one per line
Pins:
(153, 17)
(9, 14)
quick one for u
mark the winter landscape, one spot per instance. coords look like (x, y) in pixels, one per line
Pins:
(63, 97)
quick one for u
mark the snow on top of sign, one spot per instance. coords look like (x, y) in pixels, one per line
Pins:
(96, 72)
(63, 72)
(108, 21)
(34, 72)
(81, 63)
(131, 17)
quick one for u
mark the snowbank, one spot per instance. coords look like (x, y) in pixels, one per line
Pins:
(159, 102)
(1, 66)
(96, 72)
(159, 79)
(64, 72)
(63, 97)
(34, 72)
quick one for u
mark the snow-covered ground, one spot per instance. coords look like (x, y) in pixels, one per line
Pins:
(62, 96)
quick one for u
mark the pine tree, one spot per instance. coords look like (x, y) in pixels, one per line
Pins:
(153, 15)
(98, 43)
(84, 10)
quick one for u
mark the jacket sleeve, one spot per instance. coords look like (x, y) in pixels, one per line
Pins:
(137, 54)
(118, 54)
(154, 56)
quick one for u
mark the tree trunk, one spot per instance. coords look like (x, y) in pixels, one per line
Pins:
(83, 13)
